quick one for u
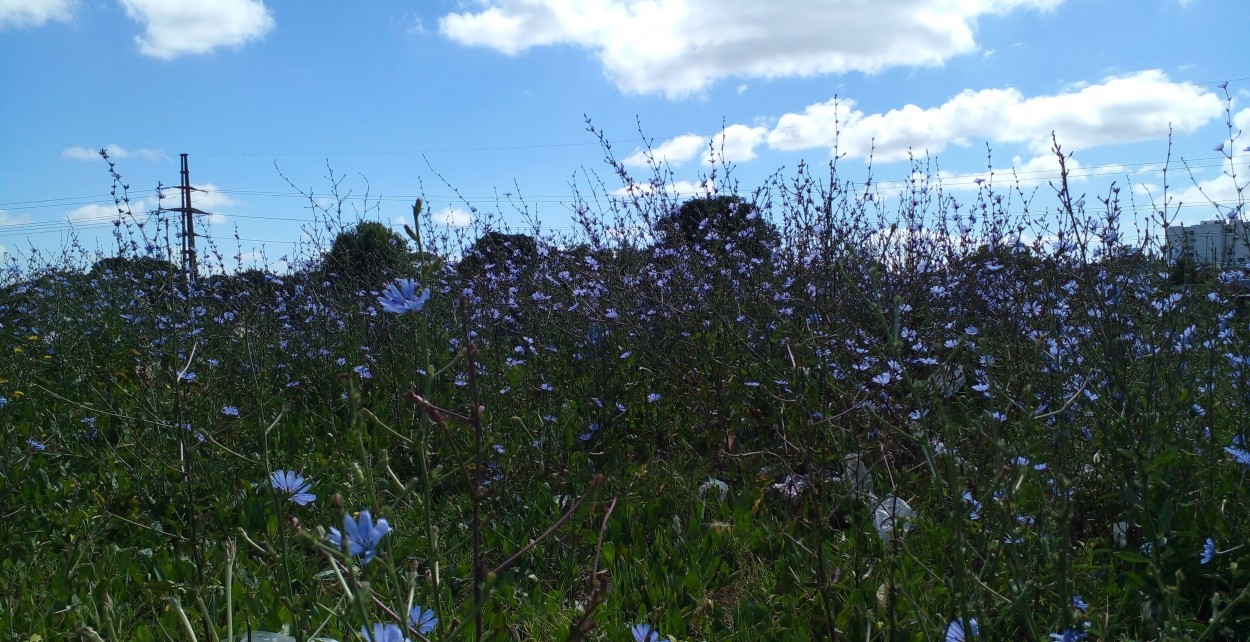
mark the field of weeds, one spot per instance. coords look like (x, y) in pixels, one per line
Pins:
(814, 410)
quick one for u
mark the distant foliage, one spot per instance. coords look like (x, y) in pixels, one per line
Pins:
(366, 256)
(496, 250)
(721, 226)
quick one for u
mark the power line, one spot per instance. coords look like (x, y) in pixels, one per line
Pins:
(960, 180)
(963, 178)
(1009, 176)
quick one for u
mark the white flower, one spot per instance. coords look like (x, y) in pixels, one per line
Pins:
(714, 484)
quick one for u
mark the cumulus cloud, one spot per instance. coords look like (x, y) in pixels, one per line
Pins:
(1241, 121)
(116, 152)
(452, 217)
(1119, 109)
(34, 13)
(93, 214)
(735, 144)
(1123, 109)
(674, 151)
(679, 47)
(1218, 190)
(174, 28)
(210, 199)
(207, 198)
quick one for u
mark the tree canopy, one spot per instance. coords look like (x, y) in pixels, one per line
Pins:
(720, 225)
(366, 256)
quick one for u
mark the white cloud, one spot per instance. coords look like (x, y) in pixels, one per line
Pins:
(674, 151)
(93, 214)
(116, 152)
(174, 28)
(210, 199)
(679, 47)
(13, 219)
(416, 26)
(1241, 121)
(452, 217)
(736, 144)
(34, 13)
(1218, 189)
(1122, 109)
(816, 127)
(676, 188)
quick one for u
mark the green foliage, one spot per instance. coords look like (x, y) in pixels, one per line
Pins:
(719, 225)
(366, 256)
(141, 267)
(499, 251)
(1187, 271)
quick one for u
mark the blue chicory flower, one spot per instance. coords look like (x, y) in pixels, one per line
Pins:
(955, 630)
(644, 633)
(1070, 635)
(1208, 551)
(292, 484)
(1241, 455)
(383, 633)
(423, 620)
(1079, 604)
(401, 297)
(363, 536)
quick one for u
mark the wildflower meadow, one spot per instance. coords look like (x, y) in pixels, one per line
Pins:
(812, 409)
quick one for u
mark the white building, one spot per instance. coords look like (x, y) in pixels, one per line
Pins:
(1224, 244)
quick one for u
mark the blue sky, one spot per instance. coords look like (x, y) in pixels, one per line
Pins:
(492, 94)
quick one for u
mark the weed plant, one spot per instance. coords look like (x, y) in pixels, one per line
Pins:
(907, 418)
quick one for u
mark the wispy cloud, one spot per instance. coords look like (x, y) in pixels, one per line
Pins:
(679, 189)
(115, 151)
(7, 219)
